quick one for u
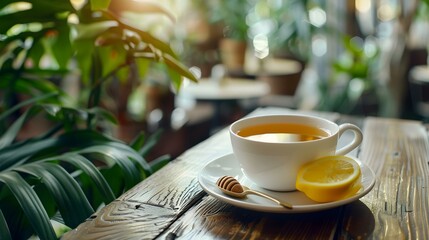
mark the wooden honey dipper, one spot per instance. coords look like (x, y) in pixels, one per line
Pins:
(230, 186)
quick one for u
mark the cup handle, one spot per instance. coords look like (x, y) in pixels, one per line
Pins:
(357, 140)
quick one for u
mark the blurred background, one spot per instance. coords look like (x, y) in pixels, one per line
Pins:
(361, 57)
(357, 57)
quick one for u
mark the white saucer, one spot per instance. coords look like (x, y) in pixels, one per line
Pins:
(228, 166)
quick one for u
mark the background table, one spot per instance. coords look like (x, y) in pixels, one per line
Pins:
(230, 97)
(225, 89)
(170, 204)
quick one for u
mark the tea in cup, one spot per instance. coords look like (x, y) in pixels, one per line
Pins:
(270, 149)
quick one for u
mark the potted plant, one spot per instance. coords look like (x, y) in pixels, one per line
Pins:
(352, 88)
(232, 15)
(291, 31)
(286, 29)
(65, 173)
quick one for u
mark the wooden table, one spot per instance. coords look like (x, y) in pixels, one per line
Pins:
(171, 204)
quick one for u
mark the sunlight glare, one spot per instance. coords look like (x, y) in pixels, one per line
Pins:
(317, 17)
(260, 43)
(386, 12)
(363, 6)
(319, 46)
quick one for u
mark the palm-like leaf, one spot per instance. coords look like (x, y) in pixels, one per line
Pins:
(112, 156)
(59, 163)
(66, 172)
(4, 229)
(30, 204)
(160, 162)
(9, 136)
(64, 189)
(40, 157)
(94, 174)
(150, 143)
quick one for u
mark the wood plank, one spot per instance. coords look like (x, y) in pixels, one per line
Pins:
(398, 206)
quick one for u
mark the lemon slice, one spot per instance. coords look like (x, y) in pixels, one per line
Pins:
(329, 178)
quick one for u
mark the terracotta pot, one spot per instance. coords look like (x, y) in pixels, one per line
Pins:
(285, 84)
(283, 75)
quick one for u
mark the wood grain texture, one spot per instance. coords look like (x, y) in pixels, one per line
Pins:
(212, 219)
(124, 220)
(170, 204)
(398, 206)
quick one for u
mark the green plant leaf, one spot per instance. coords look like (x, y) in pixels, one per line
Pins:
(4, 3)
(69, 197)
(50, 132)
(87, 167)
(48, 7)
(47, 73)
(87, 141)
(122, 73)
(146, 37)
(10, 43)
(84, 50)
(104, 114)
(175, 79)
(112, 176)
(177, 66)
(138, 142)
(61, 48)
(173, 66)
(19, 153)
(21, 17)
(107, 153)
(142, 66)
(69, 117)
(160, 162)
(4, 229)
(44, 5)
(99, 4)
(67, 142)
(91, 31)
(35, 53)
(30, 204)
(9, 136)
(21, 85)
(111, 36)
(42, 11)
(152, 140)
(112, 57)
(135, 156)
(9, 50)
(25, 103)
(43, 85)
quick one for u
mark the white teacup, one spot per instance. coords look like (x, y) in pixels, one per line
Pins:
(274, 165)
